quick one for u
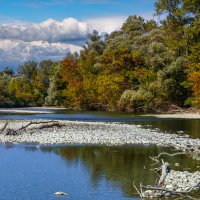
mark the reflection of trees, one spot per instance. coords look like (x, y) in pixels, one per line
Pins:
(119, 165)
(189, 126)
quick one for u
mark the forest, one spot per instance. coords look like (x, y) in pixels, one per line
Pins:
(147, 65)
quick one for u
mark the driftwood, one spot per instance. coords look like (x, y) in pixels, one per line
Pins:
(147, 191)
(4, 127)
(171, 191)
(45, 124)
(139, 192)
(53, 124)
(165, 170)
(10, 131)
(170, 154)
(156, 158)
(35, 123)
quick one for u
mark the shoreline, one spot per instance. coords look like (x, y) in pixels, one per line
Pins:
(50, 110)
(31, 110)
(21, 111)
(176, 115)
(98, 133)
(183, 115)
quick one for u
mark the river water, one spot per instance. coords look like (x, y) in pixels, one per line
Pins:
(84, 172)
(178, 126)
(87, 172)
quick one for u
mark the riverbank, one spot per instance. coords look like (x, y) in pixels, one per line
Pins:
(23, 111)
(175, 116)
(31, 110)
(97, 133)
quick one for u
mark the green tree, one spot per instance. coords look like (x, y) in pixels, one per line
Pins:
(28, 69)
(21, 91)
(4, 94)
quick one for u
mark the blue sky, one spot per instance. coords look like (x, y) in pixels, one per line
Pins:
(38, 10)
(49, 29)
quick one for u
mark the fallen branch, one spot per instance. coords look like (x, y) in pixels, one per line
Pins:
(4, 127)
(171, 191)
(154, 159)
(56, 124)
(170, 154)
(47, 124)
(159, 187)
(165, 171)
(35, 123)
(140, 193)
(10, 131)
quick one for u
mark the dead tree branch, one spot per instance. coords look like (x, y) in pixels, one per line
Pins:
(170, 154)
(45, 124)
(4, 127)
(171, 191)
(35, 123)
(53, 124)
(140, 193)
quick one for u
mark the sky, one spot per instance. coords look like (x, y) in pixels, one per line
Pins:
(49, 29)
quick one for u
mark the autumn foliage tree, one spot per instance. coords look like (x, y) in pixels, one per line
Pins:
(144, 65)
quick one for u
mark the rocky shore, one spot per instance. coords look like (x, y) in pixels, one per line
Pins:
(176, 182)
(98, 133)
(181, 181)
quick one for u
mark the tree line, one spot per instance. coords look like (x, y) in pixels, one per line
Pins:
(145, 64)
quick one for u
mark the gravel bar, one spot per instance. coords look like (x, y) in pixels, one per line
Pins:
(98, 133)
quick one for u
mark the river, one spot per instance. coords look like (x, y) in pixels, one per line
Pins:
(87, 172)
(178, 126)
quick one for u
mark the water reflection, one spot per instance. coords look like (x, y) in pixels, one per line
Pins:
(119, 165)
(85, 172)
(179, 126)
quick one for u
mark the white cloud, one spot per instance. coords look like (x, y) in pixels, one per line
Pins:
(50, 39)
(110, 24)
(69, 30)
(49, 30)
(106, 24)
(15, 52)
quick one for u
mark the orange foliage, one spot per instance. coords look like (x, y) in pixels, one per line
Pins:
(194, 79)
(72, 76)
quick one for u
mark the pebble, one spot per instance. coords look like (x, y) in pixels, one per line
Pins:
(176, 181)
(60, 193)
(176, 164)
(100, 133)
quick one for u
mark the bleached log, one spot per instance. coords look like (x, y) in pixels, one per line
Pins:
(165, 171)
